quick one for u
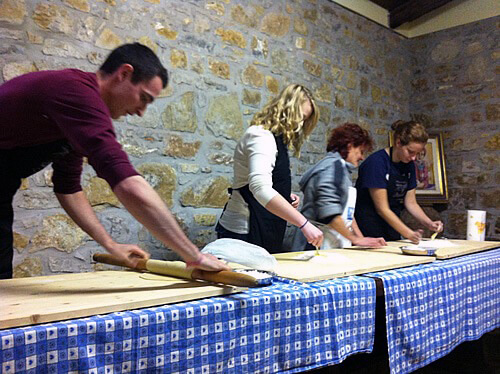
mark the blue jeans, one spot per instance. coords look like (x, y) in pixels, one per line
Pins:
(16, 164)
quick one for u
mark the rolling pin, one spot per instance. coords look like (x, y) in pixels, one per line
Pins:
(178, 269)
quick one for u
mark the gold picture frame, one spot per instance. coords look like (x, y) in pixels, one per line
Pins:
(432, 183)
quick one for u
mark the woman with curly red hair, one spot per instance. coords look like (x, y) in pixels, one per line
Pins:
(329, 197)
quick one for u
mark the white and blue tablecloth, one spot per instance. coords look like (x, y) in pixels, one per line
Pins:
(286, 327)
(432, 308)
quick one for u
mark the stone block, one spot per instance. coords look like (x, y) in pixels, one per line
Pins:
(178, 148)
(166, 32)
(300, 26)
(178, 59)
(275, 24)
(81, 5)
(259, 47)
(162, 178)
(232, 37)
(211, 194)
(251, 98)
(20, 241)
(59, 232)
(30, 267)
(108, 40)
(219, 68)
(251, 76)
(98, 192)
(205, 219)
(312, 68)
(13, 11)
(224, 117)
(181, 114)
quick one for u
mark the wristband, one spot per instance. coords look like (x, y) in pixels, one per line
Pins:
(194, 263)
(305, 223)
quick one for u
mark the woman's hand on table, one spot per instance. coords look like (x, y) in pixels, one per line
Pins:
(295, 200)
(436, 226)
(313, 235)
(414, 236)
(369, 242)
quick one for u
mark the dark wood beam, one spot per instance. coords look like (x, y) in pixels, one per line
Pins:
(411, 10)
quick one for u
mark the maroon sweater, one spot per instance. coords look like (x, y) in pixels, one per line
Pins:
(46, 106)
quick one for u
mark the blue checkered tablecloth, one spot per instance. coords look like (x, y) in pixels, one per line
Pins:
(432, 308)
(286, 327)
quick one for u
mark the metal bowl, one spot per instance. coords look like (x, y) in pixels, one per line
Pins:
(415, 250)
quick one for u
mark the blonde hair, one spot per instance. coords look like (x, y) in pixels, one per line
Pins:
(409, 131)
(283, 116)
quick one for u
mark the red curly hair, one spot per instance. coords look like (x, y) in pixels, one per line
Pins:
(348, 133)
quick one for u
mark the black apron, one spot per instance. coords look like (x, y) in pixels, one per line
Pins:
(266, 229)
(373, 225)
(397, 186)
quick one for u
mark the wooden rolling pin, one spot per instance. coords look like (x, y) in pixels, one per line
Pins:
(178, 269)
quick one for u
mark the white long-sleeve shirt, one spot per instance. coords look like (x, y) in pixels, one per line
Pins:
(254, 161)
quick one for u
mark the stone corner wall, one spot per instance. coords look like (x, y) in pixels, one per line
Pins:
(226, 60)
(455, 91)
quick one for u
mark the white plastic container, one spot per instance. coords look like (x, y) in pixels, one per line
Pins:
(476, 225)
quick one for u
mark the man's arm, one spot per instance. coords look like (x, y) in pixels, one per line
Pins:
(142, 201)
(79, 209)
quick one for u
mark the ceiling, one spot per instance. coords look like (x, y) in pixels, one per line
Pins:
(402, 11)
(412, 18)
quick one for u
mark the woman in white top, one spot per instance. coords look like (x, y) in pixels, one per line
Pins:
(261, 201)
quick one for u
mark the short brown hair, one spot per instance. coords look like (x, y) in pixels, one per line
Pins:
(348, 133)
(409, 131)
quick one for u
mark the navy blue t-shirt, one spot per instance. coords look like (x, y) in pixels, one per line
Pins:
(375, 172)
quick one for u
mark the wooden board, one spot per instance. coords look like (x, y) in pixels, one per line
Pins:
(463, 247)
(27, 301)
(335, 263)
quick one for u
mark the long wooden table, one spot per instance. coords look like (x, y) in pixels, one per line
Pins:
(124, 337)
(335, 263)
(27, 301)
(462, 247)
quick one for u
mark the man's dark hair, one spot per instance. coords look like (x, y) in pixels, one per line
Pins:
(145, 62)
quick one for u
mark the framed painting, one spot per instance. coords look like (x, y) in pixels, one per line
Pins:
(432, 183)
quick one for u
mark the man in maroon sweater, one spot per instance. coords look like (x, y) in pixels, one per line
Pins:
(59, 117)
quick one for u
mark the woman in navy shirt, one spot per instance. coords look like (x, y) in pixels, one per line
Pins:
(386, 184)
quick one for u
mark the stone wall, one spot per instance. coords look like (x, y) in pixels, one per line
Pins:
(226, 59)
(455, 90)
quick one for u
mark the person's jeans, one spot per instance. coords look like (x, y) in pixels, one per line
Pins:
(16, 164)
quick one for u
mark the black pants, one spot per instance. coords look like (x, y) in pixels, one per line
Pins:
(16, 164)
(222, 232)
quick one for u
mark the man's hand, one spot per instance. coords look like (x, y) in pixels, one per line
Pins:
(208, 262)
(130, 253)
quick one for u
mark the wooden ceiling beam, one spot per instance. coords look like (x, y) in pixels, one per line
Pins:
(411, 10)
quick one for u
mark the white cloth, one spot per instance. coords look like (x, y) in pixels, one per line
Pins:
(240, 252)
(254, 161)
(332, 239)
